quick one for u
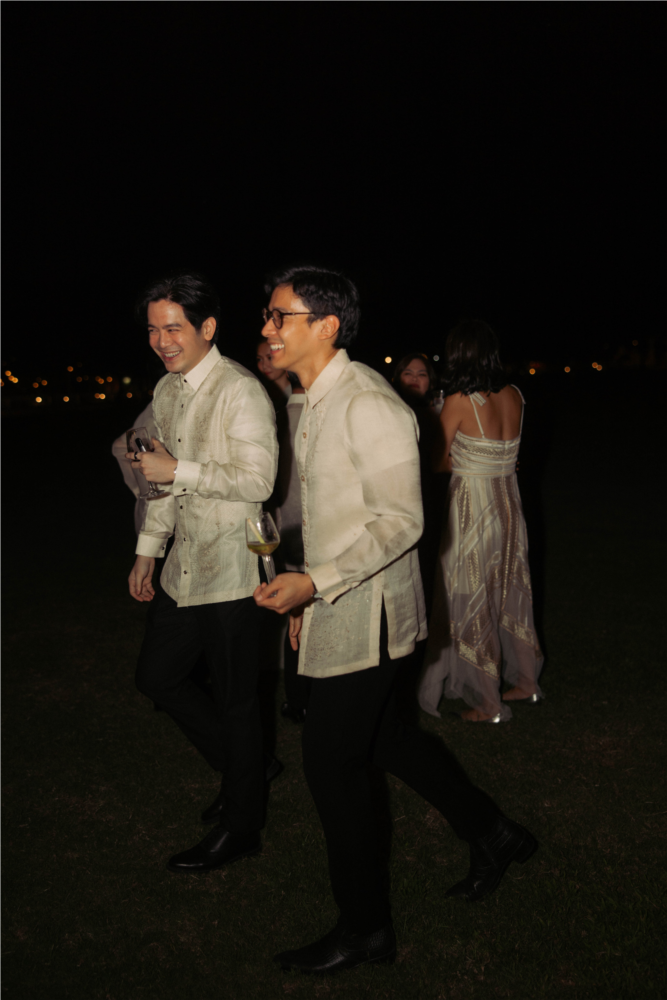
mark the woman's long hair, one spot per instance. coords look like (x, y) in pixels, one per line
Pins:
(472, 360)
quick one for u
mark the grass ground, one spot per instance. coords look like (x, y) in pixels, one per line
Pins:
(100, 789)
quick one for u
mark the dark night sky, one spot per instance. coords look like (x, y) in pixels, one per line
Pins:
(497, 159)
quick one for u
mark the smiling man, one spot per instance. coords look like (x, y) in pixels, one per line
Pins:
(356, 611)
(219, 453)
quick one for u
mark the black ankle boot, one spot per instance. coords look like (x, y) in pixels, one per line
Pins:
(490, 857)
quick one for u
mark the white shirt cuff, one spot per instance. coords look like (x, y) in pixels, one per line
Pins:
(149, 545)
(187, 477)
(328, 582)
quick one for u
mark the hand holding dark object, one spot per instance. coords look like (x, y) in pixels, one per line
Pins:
(158, 465)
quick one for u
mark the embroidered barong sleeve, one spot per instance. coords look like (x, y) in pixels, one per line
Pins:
(380, 439)
(248, 469)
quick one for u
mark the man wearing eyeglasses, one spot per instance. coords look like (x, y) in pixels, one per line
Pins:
(355, 612)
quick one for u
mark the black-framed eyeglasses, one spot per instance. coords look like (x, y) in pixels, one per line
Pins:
(278, 315)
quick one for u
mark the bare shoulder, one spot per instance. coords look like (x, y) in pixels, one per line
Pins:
(512, 396)
(454, 403)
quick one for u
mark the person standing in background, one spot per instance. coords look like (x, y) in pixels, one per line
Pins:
(414, 380)
(220, 458)
(481, 627)
(129, 469)
(275, 381)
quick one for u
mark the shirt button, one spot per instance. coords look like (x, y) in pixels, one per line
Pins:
(306, 562)
(185, 539)
(184, 488)
(303, 479)
(304, 434)
(181, 406)
(185, 572)
(181, 506)
(179, 440)
(304, 523)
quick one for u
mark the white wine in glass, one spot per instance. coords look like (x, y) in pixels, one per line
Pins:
(262, 538)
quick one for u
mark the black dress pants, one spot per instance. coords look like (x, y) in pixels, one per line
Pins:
(352, 720)
(297, 687)
(226, 730)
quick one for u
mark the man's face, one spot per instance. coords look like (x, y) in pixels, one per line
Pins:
(296, 341)
(265, 364)
(174, 339)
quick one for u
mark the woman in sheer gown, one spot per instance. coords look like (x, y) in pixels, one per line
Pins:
(481, 629)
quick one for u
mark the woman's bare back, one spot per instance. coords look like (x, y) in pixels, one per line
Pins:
(500, 416)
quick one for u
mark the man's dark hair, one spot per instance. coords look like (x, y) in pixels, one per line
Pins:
(325, 293)
(472, 359)
(192, 292)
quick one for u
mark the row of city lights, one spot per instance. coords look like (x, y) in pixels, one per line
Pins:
(126, 380)
(531, 371)
(98, 395)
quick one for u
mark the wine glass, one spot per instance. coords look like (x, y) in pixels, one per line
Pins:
(138, 440)
(262, 538)
(438, 400)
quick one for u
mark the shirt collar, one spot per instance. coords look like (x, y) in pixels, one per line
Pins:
(196, 375)
(328, 378)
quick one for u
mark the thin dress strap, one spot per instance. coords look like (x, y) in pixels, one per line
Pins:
(475, 396)
(523, 407)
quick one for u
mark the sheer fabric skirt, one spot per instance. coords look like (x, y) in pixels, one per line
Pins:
(481, 628)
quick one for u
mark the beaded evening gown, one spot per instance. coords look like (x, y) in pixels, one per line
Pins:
(481, 626)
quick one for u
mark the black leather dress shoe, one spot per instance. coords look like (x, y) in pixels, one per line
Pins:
(219, 847)
(340, 949)
(213, 813)
(491, 856)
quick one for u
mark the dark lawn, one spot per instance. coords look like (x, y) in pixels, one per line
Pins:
(100, 789)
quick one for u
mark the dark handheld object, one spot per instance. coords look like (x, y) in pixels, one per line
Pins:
(140, 444)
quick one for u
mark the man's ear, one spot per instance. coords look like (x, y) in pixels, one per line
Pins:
(329, 328)
(208, 328)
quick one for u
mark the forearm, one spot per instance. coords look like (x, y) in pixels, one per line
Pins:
(380, 438)
(157, 528)
(383, 541)
(251, 483)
